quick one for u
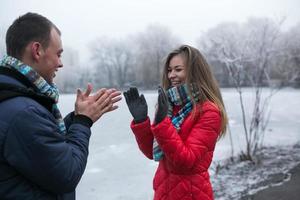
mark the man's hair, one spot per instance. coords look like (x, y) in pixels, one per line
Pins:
(25, 29)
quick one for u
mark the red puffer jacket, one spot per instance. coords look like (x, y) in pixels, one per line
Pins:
(182, 174)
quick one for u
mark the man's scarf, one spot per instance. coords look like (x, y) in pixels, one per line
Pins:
(49, 90)
(177, 96)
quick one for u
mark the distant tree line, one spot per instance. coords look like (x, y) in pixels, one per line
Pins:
(239, 49)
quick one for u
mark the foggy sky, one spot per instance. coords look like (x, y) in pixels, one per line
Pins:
(82, 21)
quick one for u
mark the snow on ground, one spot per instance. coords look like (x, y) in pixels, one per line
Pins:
(237, 180)
(117, 170)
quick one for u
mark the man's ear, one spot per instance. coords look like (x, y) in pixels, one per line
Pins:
(36, 50)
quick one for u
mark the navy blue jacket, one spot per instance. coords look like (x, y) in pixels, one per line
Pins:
(36, 161)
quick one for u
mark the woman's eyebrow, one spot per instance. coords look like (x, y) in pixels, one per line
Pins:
(176, 66)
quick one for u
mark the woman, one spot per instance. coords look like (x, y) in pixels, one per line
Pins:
(189, 119)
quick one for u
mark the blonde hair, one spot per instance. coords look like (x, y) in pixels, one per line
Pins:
(198, 72)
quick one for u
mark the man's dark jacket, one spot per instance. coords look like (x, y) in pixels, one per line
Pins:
(36, 161)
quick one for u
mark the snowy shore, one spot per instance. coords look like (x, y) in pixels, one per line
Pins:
(239, 180)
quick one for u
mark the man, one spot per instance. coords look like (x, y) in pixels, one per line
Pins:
(42, 156)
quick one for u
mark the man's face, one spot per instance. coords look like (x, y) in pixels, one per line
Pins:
(50, 61)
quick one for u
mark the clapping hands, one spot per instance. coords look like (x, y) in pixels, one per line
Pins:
(94, 106)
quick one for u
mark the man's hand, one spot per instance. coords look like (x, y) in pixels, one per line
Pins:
(115, 96)
(162, 108)
(137, 105)
(94, 106)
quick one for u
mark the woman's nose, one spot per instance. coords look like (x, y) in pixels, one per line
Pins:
(172, 74)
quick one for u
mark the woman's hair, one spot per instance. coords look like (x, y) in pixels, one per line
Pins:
(198, 72)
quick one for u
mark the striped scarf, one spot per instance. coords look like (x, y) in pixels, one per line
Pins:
(40, 83)
(177, 96)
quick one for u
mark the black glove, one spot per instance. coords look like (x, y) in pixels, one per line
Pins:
(163, 104)
(137, 105)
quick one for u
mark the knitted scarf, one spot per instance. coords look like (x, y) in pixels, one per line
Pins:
(49, 90)
(178, 96)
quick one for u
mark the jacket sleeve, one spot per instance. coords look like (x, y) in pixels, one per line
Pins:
(144, 137)
(71, 118)
(201, 139)
(68, 120)
(45, 157)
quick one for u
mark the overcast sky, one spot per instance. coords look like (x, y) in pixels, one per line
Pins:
(82, 21)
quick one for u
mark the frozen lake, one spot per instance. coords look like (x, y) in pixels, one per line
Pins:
(117, 170)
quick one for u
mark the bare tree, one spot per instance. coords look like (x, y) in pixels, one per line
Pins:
(135, 60)
(246, 51)
(286, 65)
(68, 77)
(152, 46)
(114, 58)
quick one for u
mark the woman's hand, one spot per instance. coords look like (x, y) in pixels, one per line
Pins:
(163, 104)
(137, 105)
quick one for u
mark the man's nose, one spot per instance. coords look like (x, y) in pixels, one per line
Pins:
(60, 64)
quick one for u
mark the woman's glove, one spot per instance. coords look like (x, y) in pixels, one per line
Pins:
(162, 109)
(137, 105)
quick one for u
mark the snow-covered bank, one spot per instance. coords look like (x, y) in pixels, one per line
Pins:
(236, 180)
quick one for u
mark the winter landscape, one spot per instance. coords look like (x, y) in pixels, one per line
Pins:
(248, 43)
(117, 170)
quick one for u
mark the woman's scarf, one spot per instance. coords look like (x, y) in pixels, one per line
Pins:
(49, 90)
(178, 96)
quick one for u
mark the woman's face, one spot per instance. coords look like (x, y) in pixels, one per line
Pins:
(177, 71)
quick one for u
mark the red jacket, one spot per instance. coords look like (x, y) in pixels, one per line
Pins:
(182, 173)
